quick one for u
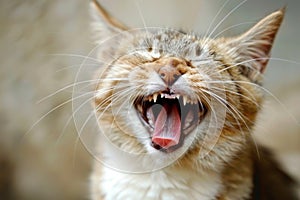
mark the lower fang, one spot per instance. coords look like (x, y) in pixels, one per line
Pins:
(188, 119)
(150, 117)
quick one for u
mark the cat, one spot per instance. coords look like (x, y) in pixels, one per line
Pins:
(176, 112)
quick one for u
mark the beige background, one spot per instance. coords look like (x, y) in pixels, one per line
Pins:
(48, 162)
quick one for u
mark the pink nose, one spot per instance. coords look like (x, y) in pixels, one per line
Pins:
(169, 74)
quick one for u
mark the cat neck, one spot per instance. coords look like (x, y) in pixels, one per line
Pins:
(184, 182)
(163, 184)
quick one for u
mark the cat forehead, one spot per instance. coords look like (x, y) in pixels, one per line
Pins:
(167, 36)
(172, 42)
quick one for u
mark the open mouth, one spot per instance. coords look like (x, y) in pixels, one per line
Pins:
(169, 118)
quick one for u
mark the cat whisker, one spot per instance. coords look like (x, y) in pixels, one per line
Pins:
(59, 106)
(233, 65)
(208, 147)
(265, 90)
(77, 55)
(118, 95)
(252, 100)
(67, 87)
(74, 66)
(121, 96)
(50, 111)
(215, 17)
(231, 27)
(98, 107)
(267, 58)
(277, 100)
(234, 112)
(143, 20)
(224, 18)
(251, 97)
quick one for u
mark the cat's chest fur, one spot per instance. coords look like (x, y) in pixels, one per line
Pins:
(163, 184)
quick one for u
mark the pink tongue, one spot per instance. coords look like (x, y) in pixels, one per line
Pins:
(167, 127)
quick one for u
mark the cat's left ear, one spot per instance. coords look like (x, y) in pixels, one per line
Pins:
(104, 24)
(253, 47)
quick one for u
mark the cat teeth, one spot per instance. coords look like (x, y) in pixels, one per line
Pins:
(184, 98)
(167, 96)
(155, 97)
(140, 107)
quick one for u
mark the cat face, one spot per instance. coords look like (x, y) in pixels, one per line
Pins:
(168, 92)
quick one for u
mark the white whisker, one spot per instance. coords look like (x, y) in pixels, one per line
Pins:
(226, 16)
(78, 56)
(73, 66)
(231, 27)
(215, 17)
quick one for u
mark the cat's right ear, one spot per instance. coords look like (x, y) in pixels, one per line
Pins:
(103, 23)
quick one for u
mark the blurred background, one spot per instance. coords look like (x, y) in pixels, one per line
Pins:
(42, 44)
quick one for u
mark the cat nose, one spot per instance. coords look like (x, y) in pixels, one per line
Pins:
(169, 73)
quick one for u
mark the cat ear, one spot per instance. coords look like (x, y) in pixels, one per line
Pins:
(253, 47)
(104, 23)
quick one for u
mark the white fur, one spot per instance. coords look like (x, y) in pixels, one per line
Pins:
(160, 185)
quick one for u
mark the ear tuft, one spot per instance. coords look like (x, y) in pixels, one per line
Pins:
(254, 46)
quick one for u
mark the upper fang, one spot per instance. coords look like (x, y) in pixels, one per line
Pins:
(184, 100)
(154, 97)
